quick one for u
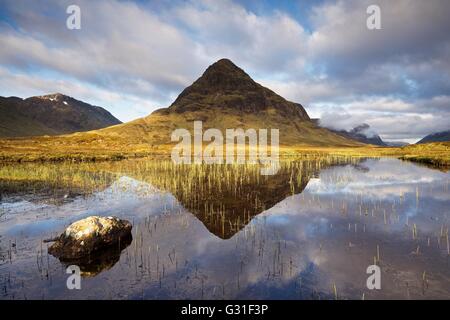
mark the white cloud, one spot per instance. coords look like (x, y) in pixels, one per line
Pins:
(120, 46)
(274, 43)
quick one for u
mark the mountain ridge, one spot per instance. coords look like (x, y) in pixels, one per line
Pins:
(50, 114)
(435, 137)
(362, 134)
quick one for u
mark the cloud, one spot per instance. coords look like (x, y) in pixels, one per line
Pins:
(324, 58)
(120, 47)
(392, 119)
(272, 43)
(412, 32)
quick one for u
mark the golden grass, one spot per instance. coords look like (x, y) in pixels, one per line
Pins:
(94, 147)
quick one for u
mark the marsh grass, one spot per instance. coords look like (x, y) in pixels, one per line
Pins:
(50, 178)
(225, 197)
(94, 148)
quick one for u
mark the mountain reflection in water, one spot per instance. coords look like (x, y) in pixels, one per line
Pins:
(217, 232)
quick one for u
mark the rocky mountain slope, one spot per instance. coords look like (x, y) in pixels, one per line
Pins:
(436, 137)
(50, 115)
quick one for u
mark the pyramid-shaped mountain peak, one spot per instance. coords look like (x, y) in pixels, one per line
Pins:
(223, 63)
(225, 75)
(225, 66)
(227, 88)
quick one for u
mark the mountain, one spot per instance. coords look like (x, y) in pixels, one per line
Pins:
(396, 143)
(227, 97)
(362, 133)
(436, 137)
(223, 97)
(51, 114)
(224, 86)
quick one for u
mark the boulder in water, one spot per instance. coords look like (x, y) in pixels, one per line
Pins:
(87, 236)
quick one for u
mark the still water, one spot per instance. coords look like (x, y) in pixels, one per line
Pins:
(308, 233)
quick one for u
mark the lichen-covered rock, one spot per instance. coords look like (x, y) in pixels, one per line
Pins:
(84, 237)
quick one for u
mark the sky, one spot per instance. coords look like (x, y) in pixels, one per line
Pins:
(133, 57)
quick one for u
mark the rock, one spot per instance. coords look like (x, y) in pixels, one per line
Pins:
(87, 236)
(102, 260)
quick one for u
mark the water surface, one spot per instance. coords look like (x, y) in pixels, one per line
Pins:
(310, 232)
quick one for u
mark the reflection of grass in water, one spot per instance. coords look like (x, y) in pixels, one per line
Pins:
(226, 196)
(189, 179)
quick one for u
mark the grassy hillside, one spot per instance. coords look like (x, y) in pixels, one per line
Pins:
(156, 129)
(151, 135)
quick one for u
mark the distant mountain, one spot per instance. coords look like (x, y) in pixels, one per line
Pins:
(51, 114)
(436, 137)
(396, 143)
(362, 133)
